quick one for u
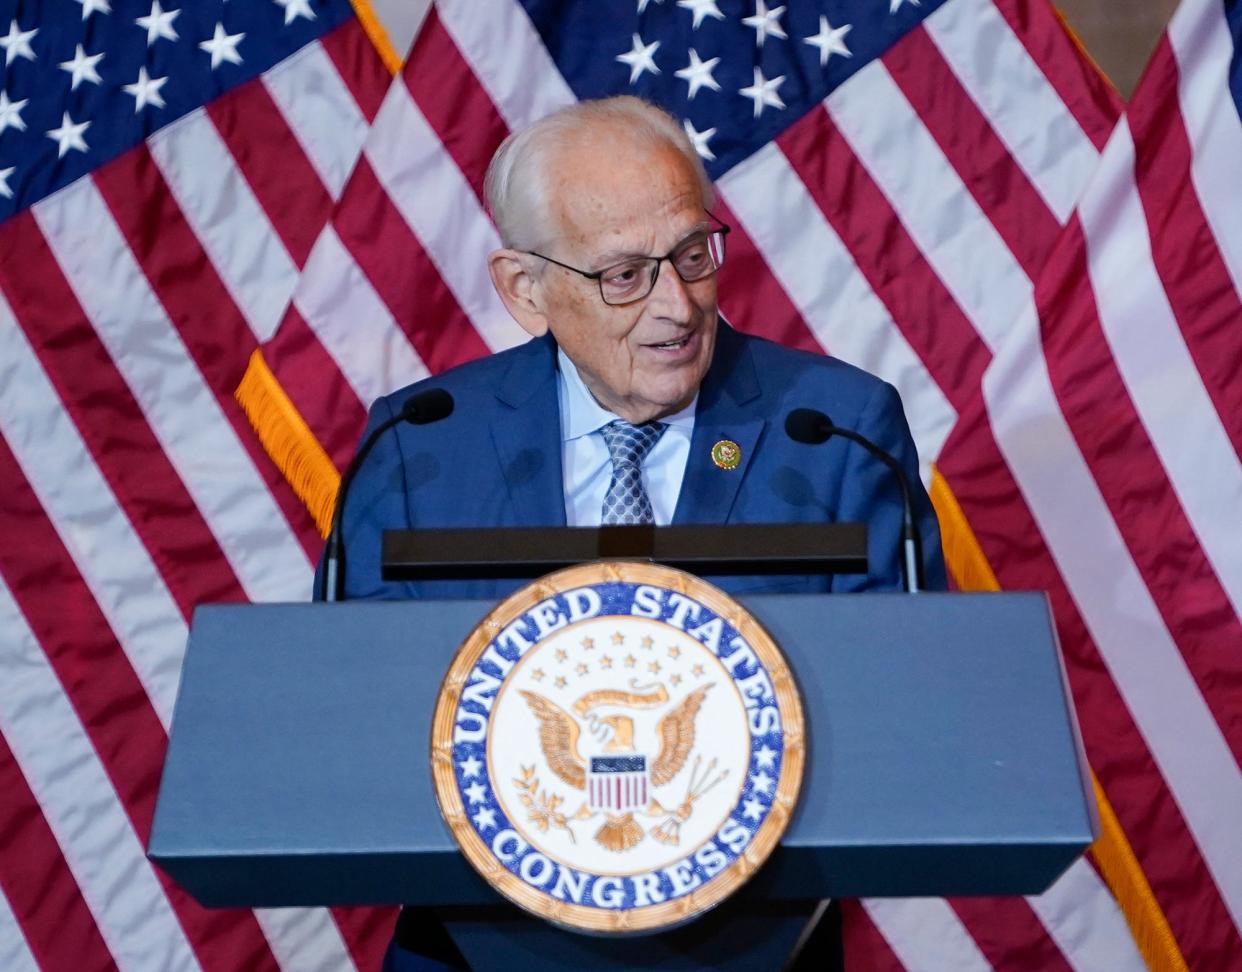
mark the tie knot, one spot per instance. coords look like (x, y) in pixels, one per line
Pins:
(629, 444)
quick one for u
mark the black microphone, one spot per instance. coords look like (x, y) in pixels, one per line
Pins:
(813, 428)
(421, 409)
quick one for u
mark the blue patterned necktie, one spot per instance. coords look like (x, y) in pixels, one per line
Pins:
(626, 501)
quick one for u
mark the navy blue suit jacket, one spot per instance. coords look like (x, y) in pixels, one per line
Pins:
(496, 462)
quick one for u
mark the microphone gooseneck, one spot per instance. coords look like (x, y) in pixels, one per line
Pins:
(811, 427)
(421, 409)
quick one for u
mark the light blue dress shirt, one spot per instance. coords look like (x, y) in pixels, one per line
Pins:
(585, 464)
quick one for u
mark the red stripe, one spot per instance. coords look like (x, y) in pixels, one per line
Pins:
(403, 275)
(1107, 428)
(107, 696)
(111, 421)
(1092, 101)
(359, 65)
(977, 474)
(367, 932)
(41, 890)
(199, 306)
(865, 949)
(1186, 255)
(751, 298)
(894, 267)
(275, 165)
(316, 387)
(1009, 934)
(992, 175)
(468, 123)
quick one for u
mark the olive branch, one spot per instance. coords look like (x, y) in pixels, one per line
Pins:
(544, 807)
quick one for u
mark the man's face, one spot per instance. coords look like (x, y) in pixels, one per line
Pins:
(610, 199)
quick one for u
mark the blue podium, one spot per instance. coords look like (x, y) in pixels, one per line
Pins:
(943, 759)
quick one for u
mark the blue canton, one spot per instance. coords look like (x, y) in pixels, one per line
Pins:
(85, 80)
(738, 72)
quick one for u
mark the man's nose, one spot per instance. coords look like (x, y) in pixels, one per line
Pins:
(670, 297)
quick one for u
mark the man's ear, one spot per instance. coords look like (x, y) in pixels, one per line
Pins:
(519, 290)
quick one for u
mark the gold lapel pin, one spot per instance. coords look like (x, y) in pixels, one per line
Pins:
(727, 454)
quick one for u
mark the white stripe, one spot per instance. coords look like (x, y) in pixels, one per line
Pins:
(1147, 668)
(441, 209)
(402, 20)
(1156, 366)
(508, 57)
(321, 111)
(181, 410)
(926, 935)
(1205, 50)
(305, 939)
(111, 558)
(830, 292)
(15, 954)
(228, 220)
(940, 214)
(339, 304)
(1082, 917)
(1015, 97)
(81, 808)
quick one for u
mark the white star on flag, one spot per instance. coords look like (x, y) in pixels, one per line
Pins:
(895, 5)
(752, 809)
(69, 135)
(640, 58)
(11, 112)
(485, 818)
(701, 9)
(158, 23)
(762, 783)
(642, 4)
(477, 792)
(296, 8)
(765, 757)
(222, 47)
(146, 90)
(5, 191)
(830, 40)
(82, 67)
(699, 139)
(765, 22)
(91, 6)
(470, 766)
(763, 92)
(17, 43)
(698, 73)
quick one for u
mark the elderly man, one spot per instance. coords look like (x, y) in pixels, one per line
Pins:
(634, 402)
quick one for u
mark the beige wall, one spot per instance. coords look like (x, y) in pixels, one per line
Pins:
(1120, 34)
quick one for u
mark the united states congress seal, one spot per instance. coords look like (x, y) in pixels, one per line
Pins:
(617, 747)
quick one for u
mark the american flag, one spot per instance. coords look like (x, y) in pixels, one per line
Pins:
(147, 246)
(904, 197)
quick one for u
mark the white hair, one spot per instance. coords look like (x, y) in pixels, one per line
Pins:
(515, 183)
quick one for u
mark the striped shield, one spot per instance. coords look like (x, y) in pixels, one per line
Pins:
(617, 784)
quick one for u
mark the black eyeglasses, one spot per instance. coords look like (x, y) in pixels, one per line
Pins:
(694, 258)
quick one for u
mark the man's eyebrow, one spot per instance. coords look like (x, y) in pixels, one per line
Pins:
(611, 257)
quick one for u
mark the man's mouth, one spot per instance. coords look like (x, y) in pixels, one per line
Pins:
(674, 345)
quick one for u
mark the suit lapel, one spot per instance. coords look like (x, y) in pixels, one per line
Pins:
(728, 410)
(527, 435)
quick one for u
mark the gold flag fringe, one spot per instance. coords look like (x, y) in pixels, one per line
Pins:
(1111, 850)
(288, 440)
(374, 29)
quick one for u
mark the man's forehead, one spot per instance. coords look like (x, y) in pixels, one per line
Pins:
(621, 193)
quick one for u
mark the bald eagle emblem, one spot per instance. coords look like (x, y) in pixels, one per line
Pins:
(619, 774)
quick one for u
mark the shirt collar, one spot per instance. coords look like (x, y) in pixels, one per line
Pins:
(582, 415)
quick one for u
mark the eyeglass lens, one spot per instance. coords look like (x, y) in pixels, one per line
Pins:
(699, 257)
